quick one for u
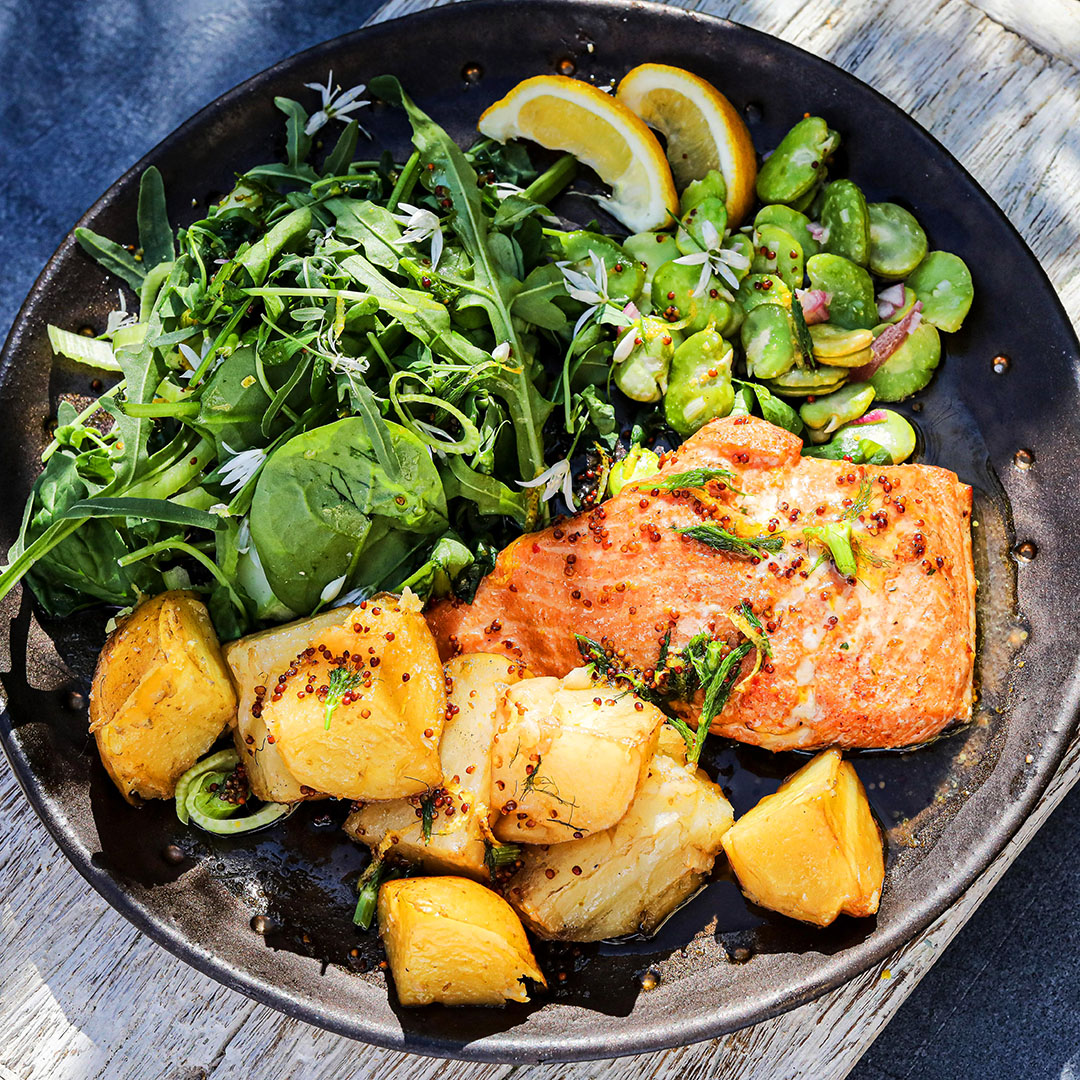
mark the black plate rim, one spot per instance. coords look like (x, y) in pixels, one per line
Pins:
(505, 1046)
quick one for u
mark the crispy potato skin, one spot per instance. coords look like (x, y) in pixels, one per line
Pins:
(812, 849)
(383, 738)
(453, 942)
(161, 695)
(257, 660)
(568, 758)
(628, 878)
(476, 683)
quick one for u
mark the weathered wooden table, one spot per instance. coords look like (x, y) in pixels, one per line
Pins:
(83, 994)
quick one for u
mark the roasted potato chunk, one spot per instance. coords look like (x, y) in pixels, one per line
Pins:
(628, 878)
(161, 695)
(568, 758)
(359, 712)
(476, 683)
(451, 941)
(256, 661)
(812, 849)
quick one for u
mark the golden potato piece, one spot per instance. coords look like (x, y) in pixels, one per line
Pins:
(359, 712)
(628, 878)
(451, 941)
(812, 849)
(476, 683)
(256, 661)
(568, 757)
(161, 695)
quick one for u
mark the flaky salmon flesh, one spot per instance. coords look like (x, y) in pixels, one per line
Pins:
(881, 657)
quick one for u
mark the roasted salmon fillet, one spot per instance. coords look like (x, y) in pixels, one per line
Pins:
(878, 653)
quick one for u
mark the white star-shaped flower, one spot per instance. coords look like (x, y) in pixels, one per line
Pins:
(557, 478)
(193, 358)
(121, 317)
(241, 467)
(721, 261)
(337, 104)
(419, 225)
(592, 291)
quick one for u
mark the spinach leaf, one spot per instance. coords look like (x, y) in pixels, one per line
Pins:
(324, 507)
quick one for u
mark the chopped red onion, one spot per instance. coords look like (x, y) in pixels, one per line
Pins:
(815, 305)
(887, 342)
(890, 300)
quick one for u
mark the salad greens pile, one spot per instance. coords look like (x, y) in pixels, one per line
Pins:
(362, 375)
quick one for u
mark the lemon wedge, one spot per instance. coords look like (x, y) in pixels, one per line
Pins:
(565, 114)
(702, 128)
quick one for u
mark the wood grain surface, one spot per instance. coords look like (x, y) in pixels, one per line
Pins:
(84, 995)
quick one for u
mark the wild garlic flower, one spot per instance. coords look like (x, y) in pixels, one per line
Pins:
(121, 317)
(419, 225)
(332, 588)
(241, 467)
(721, 261)
(336, 103)
(194, 358)
(592, 289)
(557, 478)
(501, 353)
(630, 334)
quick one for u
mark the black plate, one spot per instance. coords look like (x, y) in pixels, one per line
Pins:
(720, 963)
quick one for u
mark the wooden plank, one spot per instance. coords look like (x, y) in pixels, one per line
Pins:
(83, 995)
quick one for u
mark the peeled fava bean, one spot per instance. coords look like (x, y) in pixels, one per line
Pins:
(625, 276)
(844, 348)
(451, 941)
(897, 241)
(943, 284)
(699, 387)
(805, 381)
(812, 849)
(851, 289)
(879, 430)
(825, 414)
(675, 295)
(768, 341)
(844, 214)
(794, 168)
(694, 234)
(651, 250)
(911, 366)
(643, 374)
(741, 243)
(639, 463)
(758, 289)
(776, 251)
(791, 221)
(710, 186)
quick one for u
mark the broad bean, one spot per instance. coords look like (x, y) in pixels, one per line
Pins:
(897, 241)
(699, 388)
(844, 214)
(943, 283)
(795, 167)
(852, 304)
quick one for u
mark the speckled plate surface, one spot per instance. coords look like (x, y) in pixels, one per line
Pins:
(270, 915)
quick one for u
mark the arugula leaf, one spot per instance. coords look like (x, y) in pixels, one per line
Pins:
(155, 232)
(297, 142)
(149, 509)
(446, 166)
(110, 255)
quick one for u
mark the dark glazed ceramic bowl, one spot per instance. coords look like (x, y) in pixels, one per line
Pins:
(719, 964)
